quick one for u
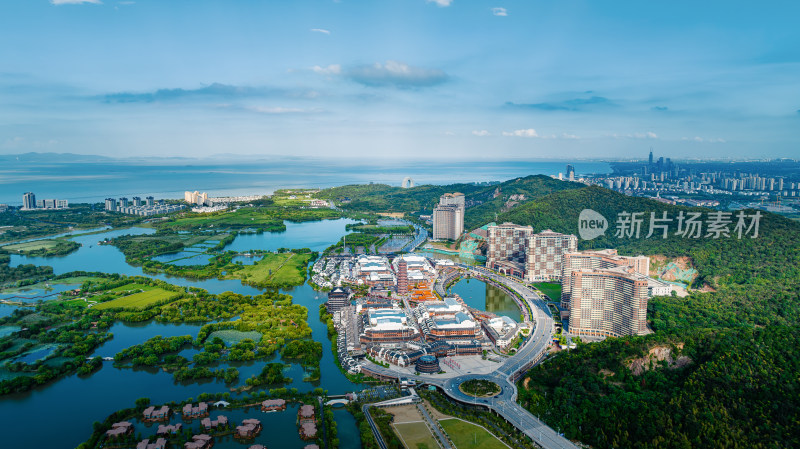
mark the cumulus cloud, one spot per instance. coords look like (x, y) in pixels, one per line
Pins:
(75, 2)
(333, 69)
(395, 74)
(320, 30)
(481, 133)
(573, 104)
(441, 3)
(502, 12)
(530, 132)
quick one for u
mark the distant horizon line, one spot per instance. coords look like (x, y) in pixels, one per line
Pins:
(251, 157)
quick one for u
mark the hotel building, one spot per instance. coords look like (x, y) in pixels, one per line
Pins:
(608, 302)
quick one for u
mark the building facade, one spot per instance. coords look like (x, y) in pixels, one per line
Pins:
(545, 254)
(608, 302)
(599, 259)
(448, 217)
(507, 248)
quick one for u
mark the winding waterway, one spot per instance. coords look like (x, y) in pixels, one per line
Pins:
(68, 406)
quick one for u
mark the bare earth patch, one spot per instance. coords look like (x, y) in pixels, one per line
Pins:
(658, 354)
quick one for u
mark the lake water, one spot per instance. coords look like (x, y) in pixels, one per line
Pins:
(109, 389)
(483, 296)
(112, 388)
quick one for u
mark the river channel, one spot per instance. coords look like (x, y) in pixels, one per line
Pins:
(67, 407)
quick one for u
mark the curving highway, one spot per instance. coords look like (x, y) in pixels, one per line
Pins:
(531, 353)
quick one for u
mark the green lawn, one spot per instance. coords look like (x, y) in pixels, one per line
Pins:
(131, 287)
(31, 246)
(138, 300)
(415, 435)
(276, 269)
(551, 289)
(467, 435)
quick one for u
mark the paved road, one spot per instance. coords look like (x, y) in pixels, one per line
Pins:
(374, 427)
(443, 441)
(505, 403)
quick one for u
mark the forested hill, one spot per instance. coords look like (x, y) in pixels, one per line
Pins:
(481, 198)
(733, 354)
(774, 254)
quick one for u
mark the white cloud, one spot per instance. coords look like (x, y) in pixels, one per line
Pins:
(333, 69)
(530, 132)
(320, 30)
(569, 136)
(645, 135)
(75, 2)
(449, 133)
(396, 74)
(502, 12)
(704, 139)
(442, 3)
(481, 133)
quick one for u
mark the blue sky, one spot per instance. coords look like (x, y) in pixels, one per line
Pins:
(401, 78)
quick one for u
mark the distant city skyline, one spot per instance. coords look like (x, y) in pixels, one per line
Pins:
(411, 79)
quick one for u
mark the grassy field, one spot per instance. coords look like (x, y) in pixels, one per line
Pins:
(470, 436)
(31, 246)
(242, 218)
(131, 287)
(138, 300)
(275, 268)
(415, 435)
(232, 336)
(551, 289)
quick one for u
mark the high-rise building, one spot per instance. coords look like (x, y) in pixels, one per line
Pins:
(544, 255)
(28, 201)
(507, 251)
(594, 260)
(570, 172)
(123, 202)
(402, 277)
(448, 217)
(650, 162)
(456, 198)
(136, 201)
(111, 204)
(608, 302)
(150, 201)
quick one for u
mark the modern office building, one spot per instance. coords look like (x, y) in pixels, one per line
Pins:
(448, 217)
(597, 259)
(608, 302)
(570, 172)
(545, 254)
(28, 201)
